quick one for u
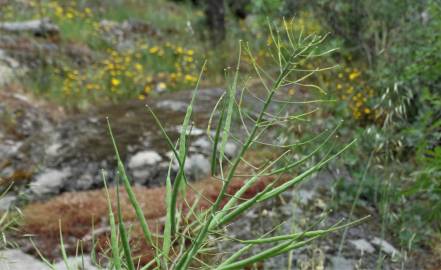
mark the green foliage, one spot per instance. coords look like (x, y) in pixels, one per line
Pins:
(389, 86)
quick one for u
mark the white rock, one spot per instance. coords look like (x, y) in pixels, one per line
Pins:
(76, 263)
(15, 259)
(341, 263)
(6, 201)
(362, 245)
(197, 165)
(52, 150)
(49, 181)
(172, 105)
(192, 131)
(9, 69)
(304, 196)
(385, 246)
(145, 158)
(230, 149)
(202, 143)
(141, 175)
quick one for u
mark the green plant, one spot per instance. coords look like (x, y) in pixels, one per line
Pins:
(182, 245)
(8, 222)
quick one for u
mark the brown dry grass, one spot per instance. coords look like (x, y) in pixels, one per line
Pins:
(77, 211)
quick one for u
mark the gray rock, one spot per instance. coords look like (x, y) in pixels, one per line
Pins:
(197, 166)
(15, 259)
(145, 158)
(6, 201)
(85, 181)
(341, 263)
(9, 69)
(362, 245)
(193, 131)
(142, 176)
(385, 246)
(304, 196)
(203, 143)
(49, 182)
(53, 149)
(177, 106)
(230, 149)
(83, 263)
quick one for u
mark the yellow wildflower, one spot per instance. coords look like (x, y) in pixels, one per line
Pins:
(59, 11)
(354, 75)
(162, 86)
(153, 50)
(138, 67)
(190, 78)
(115, 82)
(147, 89)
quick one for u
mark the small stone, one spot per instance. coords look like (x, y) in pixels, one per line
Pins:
(172, 105)
(362, 245)
(385, 246)
(197, 165)
(6, 202)
(341, 263)
(85, 182)
(304, 196)
(202, 143)
(17, 259)
(52, 150)
(141, 176)
(83, 263)
(230, 149)
(145, 158)
(49, 182)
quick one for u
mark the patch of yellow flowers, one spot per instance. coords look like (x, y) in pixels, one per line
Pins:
(352, 88)
(114, 74)
(55, 9)
(132, 73)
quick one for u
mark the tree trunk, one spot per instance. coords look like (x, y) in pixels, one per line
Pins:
(215, 18)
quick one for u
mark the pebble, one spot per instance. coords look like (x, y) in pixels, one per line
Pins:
(49, 181)
(385, 246)
(362, 245)
(6, 202)
(145, 158)
(15, 259)
(341, 263)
